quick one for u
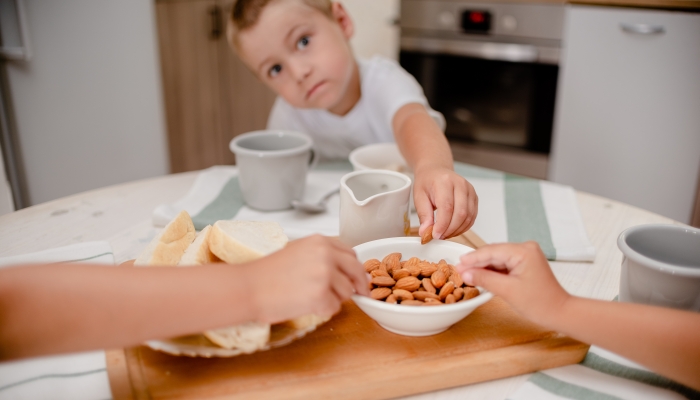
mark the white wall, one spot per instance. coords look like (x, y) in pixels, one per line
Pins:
(375, 32)
(89, 103)
(6, 203)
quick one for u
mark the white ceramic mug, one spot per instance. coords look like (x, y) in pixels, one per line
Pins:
(661, 266)
(272, 167)
(373, 205)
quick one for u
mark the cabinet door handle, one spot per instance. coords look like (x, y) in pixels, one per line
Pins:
(216, 29)
(642, 29)
(23, 52)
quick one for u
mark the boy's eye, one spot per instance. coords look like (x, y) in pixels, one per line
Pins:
(275, 70)
(303, 42)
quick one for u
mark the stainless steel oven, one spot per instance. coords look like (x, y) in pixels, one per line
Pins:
(490, 68)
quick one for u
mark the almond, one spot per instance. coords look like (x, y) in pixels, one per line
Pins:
(427, 235)
(391, 299)
(412, 303)
(383, 281)
(445, 268)
(379, 272)
(402, 295)
(450, 299)
(458, 293)
(427, 268)
(447, 289)
(380, 293)
(438, 279)
(400, 273)
(455, 277)
(413, 266)
(431, 300)
(425, 295)
(432, 303)
(371, 265)
(428, 285)
(392, 261)
(410, 283)
(470, 293)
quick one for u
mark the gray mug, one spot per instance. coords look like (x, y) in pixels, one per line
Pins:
(661, 266)
(272, 167)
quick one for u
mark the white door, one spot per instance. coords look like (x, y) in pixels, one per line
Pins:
(627, 122)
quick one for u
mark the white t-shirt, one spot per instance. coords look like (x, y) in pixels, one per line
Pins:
(385, 87)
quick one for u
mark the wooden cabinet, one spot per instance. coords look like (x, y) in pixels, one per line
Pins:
(210, 96)
(627, 124)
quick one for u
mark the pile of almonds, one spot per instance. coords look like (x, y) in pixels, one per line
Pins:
(416, 282)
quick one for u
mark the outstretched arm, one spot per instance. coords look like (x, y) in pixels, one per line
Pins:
(663, 339)
(437, 186)
(47, 309)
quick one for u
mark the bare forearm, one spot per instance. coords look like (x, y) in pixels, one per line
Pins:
(420, 139)
(665, 340)
(61, 308)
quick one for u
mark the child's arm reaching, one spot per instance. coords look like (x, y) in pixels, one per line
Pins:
(663, 339)
(437, 185)
(47, 309)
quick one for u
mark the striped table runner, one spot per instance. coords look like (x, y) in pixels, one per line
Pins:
(70, 377)
(511, 208)
(602, 375)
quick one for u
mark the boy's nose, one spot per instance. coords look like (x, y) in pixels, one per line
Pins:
(300, 69)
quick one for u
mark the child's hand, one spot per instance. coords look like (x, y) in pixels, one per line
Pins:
(310, 276)
(454, 198)
(520, 274)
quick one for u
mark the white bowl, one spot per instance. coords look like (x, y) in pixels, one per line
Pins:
(416, 320)
(379, 156)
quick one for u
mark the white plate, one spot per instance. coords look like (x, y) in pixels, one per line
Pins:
(199, 346)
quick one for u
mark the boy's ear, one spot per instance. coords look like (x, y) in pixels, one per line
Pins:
(343, 19)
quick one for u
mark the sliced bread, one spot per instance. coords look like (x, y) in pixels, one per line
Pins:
(248, 337)
(237, 242)
(170, 244)
(198, 251)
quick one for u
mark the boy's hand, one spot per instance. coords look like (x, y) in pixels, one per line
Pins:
(454, 198)
(520, 274)
(309, 276)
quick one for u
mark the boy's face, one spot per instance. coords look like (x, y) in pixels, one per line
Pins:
(301, 54)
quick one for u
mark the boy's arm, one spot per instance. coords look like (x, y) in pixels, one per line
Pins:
(436, 184)
(663, 339)
(47, 309)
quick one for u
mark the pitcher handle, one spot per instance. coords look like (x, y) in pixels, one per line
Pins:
(313, 159)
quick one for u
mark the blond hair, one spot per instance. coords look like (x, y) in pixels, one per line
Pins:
(245, 14)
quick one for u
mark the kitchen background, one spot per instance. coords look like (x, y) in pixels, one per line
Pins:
(598, 96)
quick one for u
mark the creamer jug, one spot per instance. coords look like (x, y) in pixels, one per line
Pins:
(373, 205)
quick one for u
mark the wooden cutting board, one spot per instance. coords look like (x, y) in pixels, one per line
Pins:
(351, 357)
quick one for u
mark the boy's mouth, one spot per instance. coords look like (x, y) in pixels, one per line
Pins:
(314, 89)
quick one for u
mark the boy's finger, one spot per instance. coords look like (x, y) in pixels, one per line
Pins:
(490, 280)
(444, 202)
(460, 213)
(353, 270)
(424, 209)
(503, 255)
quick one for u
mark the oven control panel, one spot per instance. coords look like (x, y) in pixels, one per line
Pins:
(476, 21)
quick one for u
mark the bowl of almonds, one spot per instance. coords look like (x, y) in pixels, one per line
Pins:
(414, 288)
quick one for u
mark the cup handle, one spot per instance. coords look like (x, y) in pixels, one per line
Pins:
(313, 159)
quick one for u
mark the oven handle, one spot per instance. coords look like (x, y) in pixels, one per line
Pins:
(487, 50)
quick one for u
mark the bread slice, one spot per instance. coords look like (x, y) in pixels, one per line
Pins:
(248, 337)
(237, 242)
(198, 251)
(170, 244)
(307, 321)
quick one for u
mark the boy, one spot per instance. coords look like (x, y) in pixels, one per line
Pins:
(301, 50)
(663, 339)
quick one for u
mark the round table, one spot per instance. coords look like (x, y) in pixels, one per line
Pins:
(121, 215)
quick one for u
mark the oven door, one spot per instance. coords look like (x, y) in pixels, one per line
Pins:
(489, 101)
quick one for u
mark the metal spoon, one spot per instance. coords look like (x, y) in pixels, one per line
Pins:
(317, 207)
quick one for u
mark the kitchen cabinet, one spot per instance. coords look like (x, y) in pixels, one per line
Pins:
(210, 96)
(627, 123)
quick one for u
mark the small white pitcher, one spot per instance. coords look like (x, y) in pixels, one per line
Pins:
(374, 205)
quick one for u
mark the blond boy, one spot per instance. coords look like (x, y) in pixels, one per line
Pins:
(301, 50)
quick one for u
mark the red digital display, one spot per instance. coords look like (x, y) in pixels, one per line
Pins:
(476, 21)
(477, 17)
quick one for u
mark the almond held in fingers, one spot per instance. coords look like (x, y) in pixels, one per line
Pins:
(470, 293)
(410, 283)
(427, 235)
(383, 281)
(380, 293)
